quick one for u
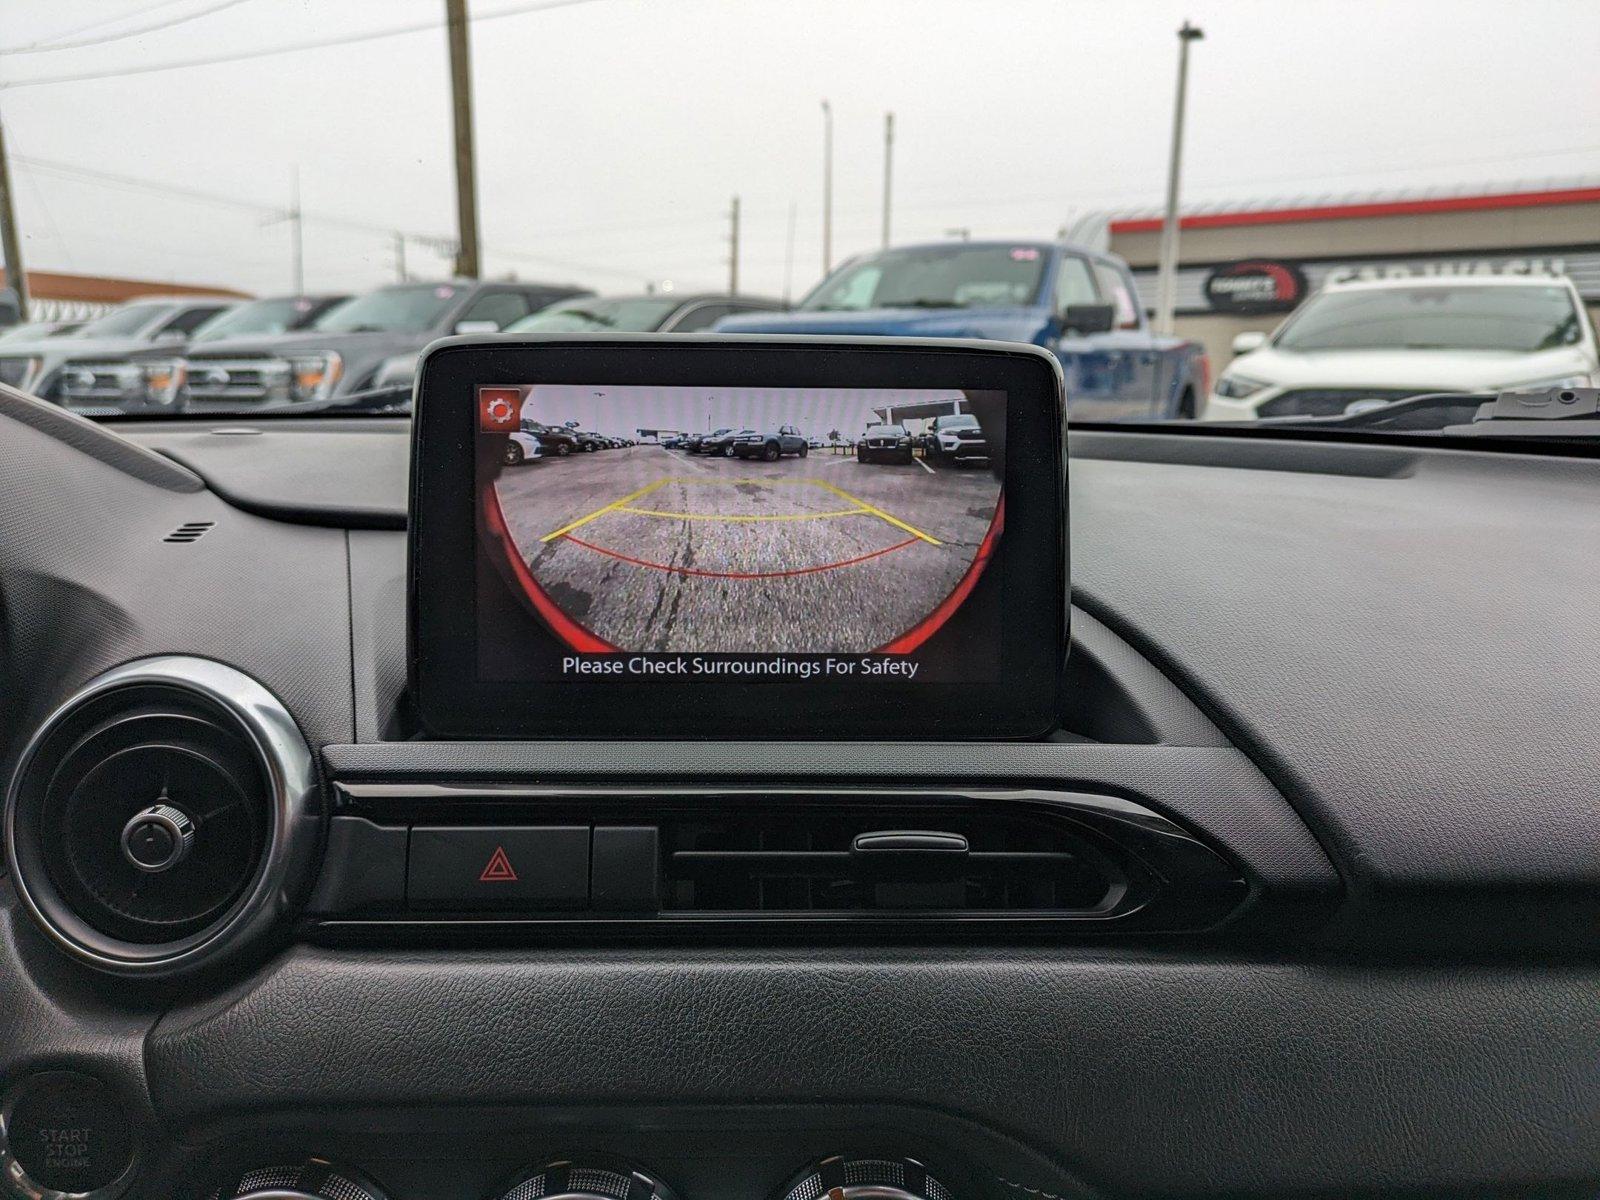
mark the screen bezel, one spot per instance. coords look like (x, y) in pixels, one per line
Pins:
(451, 700)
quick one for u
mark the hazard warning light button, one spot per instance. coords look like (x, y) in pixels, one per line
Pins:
(499, 868)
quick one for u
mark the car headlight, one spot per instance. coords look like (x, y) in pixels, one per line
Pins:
(1237, 387)
(313, 377)
(1562, 381)
(163, 380)
(396, 371)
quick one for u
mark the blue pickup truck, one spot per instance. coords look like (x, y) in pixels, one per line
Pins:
(1076, 302)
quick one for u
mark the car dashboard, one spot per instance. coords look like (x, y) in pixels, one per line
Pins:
(1300, 899)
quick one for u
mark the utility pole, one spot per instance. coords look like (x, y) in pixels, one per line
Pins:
(297, 232)
(10, 240)
(788, 258)
(1167, 271)
(888, 172)
(400, 255)
(467, 261)
(733, 243)
(827, 187)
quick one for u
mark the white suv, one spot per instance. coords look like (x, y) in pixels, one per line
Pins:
(1391, 338)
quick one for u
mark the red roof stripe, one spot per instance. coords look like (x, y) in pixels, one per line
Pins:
(1347, 212)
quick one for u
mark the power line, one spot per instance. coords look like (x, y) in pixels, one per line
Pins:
(101, 22)
(72, 172)
(288, 47)
(49, 47)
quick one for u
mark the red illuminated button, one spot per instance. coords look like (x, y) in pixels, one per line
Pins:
(499, 409)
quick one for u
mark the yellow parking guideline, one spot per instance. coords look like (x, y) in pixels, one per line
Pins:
(878, 512)
(612, 507)
(813, 516)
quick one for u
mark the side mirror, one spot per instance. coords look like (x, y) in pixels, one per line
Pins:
(1089, 318)
(477, 327)
(1244, 343)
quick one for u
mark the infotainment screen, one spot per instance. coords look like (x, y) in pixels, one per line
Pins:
(717, 538)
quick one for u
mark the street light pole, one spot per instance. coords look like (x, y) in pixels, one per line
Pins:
(827, 187)
(733, 241)
(467, 261)
(888, 172)
(10, 240)
(1167, 272)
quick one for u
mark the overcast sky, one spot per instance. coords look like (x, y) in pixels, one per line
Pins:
(612, 133)
(621, 411)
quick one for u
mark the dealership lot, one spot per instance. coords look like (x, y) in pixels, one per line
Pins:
(653, 550)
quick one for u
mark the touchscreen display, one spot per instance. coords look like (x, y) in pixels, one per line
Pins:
(691, 534)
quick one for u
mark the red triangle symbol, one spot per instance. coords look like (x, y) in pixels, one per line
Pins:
(499, 869)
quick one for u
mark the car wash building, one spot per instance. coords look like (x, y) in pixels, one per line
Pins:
(1247, 266)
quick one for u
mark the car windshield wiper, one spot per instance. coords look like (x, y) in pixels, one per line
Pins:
(583, 314)
(1540, 413)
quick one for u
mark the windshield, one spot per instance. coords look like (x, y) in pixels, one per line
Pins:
(962, 422)
(933, 277)
(259, 317)
(38, 329)
(393, 310)
(125, 322)
(1286, 263)
(1519, 319)
(630, 315)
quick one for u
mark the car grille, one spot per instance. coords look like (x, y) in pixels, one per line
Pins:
(234, 381)
(97, 383)
(970, 435)
(883, 443)
(1331, 402)
(13, 371)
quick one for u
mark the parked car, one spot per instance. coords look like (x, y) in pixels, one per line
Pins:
(33, 330)
(93, 370)
(1080, 304)
(771, 445)
(696, 443)
(956, 438)
(589, 442)
(554, 439)
(885, 443)
(643, 314)
(1387, 339)
(371, 341)
(522, 447)
(720, 444)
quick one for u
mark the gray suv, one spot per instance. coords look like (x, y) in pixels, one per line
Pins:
(92, 371)
(371, 341)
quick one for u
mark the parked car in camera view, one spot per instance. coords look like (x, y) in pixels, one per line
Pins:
(667, 313)
(1387, 339)
(553, 439)
(957, 438)
(720, 444)
(1080, 304)
(772, 445)
(522, 447)
(369, 342)
(885, 444)
(93, 371)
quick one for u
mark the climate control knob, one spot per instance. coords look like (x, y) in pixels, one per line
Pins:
(844, 1177)
(314, 1179)
(586, 1181)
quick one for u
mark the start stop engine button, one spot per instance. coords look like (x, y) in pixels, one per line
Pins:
(64, 1133)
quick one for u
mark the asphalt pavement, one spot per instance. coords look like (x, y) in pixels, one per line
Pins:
(657, 551)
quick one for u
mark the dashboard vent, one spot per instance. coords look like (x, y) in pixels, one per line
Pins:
(161, 815)
(829, 859)
(191, 531)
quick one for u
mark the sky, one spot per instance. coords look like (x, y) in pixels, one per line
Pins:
(622, 411)
(613, 134)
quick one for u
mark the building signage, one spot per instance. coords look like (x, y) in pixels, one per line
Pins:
(1257, 285)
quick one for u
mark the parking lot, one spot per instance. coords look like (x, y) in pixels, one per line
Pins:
(657, 551)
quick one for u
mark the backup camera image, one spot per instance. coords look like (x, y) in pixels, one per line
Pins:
(742, 521)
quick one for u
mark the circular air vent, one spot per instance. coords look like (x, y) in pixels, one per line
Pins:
(162, 816)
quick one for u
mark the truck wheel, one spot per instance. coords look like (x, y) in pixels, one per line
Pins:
(771, 452)
(1186, 405)
(513, 455)
(804, 449)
